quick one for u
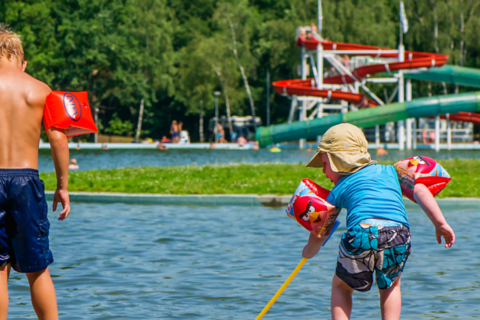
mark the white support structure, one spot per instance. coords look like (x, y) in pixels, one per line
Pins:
(401, 98)
(437, 133)
(293, 107)
(449, 133)
(320, 75)
(303, 111)
(341, 68)
(415, 135)
(319, 115)
(377, 136)
(408, 93)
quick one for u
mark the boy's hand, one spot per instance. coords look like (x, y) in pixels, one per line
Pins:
(447, 232)
(62, 197)
(307, 253)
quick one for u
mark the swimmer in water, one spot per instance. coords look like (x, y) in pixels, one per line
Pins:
(73, 164)
(24, 237)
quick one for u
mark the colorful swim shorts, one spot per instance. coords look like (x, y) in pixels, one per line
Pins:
(376, 245)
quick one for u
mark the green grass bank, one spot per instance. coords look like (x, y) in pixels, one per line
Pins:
(278, 179)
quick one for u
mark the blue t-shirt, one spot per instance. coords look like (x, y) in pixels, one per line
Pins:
(372, 192)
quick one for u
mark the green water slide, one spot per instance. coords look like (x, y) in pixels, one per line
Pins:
(449, 74)
(365, 118)
(423, 107)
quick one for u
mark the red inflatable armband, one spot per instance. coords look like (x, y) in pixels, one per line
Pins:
(309, 208)
(422, 170)
(69, 111)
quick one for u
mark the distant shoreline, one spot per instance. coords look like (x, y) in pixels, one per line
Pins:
(247, 146)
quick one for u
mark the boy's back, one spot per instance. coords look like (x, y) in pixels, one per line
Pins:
(373, 192)
(22, 99)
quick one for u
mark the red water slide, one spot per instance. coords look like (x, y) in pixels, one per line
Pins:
(412, 60)
(465, 117)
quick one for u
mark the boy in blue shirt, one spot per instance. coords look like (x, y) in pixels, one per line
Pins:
(378, 234)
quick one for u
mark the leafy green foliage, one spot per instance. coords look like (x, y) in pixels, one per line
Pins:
(175, 53)
(118, 127)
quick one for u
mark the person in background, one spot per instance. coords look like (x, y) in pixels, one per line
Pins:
(220, 134)
(160, 146)
(180, 127)
(424, 136)
(241, 141)
(73, 164)
(147, 140)
(303, 32)
(165, 139)
(256, 146)
(331, 72)
(174, 131)
(381, 151)
(432, 136)
(346, 61)
(24, 243)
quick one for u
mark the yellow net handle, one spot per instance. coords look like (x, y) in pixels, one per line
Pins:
(282, 288)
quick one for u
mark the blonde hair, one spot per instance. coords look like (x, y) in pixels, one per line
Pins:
(10, 45)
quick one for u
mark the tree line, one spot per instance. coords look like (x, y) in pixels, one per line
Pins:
(173, 54)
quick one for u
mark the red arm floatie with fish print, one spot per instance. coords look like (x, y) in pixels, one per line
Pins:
(69, 111)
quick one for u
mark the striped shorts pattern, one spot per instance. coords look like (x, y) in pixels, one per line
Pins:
(367, 249)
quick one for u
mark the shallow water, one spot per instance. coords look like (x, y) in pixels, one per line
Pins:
(107, 159)
(169, 262)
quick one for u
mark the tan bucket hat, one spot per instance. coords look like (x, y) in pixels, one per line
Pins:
(346, 147)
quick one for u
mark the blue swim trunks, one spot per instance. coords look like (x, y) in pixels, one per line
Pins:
(23, 221)
(380, 246)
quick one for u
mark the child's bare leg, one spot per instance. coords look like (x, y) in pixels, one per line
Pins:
(43, 296)
(4, 273)
(391, 301)
(341, 300)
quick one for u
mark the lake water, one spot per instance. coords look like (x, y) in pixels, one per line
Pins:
(171, 262)
(107, 159)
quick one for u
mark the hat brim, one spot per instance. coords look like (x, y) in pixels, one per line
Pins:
(315, 162)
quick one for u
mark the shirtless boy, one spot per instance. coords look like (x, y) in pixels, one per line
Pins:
(23, 210)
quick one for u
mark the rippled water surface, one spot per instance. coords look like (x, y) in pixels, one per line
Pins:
(106, 159)
(164, 262)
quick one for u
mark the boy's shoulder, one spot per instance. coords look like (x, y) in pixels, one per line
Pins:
(374, 171)
(378, 167)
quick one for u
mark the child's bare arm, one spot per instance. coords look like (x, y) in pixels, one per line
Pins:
(313, 246)
(60, 154)
(427, 202)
